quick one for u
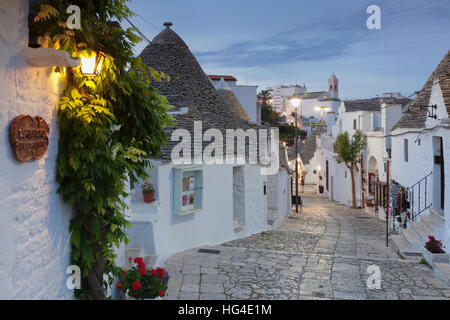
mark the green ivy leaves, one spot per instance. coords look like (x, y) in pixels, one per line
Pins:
(109, 126)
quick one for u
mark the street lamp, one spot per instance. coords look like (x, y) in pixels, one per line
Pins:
(91, 65)
(322, 109)
(296, 102)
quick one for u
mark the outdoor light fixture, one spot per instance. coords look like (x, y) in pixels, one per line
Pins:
(322, 109)
(296, 102)
(431, 113)
(92, 65)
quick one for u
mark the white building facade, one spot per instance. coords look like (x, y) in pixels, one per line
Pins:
(246, 94)
(34, 222)
(200, 204)
(420, 148)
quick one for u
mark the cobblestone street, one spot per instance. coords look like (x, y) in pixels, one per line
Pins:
(321, 253)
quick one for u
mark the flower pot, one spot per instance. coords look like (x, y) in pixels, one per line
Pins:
(369, 202)
(320, 189)
(149, 197)
(432, 258)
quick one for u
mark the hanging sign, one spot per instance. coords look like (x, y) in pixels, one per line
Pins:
(28, 137)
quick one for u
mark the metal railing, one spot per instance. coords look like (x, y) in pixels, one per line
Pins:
(417, 198)
(416, 188)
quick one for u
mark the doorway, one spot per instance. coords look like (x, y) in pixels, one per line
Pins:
(332, 187)
(238, 198)
(438, 174)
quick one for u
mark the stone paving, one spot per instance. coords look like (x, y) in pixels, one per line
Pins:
(321, 253)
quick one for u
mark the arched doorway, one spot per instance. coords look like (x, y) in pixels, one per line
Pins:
(372, 175)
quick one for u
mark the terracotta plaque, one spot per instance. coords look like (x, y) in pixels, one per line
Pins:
(28, 137)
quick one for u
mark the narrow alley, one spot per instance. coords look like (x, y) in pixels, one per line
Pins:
(323, 252)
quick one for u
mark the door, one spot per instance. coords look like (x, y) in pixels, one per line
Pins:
(332, 187)
(327, 176)
(438, 173)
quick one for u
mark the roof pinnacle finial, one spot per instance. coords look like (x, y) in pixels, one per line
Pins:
(168, 24)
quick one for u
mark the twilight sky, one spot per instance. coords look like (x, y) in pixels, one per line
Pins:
(268, 43)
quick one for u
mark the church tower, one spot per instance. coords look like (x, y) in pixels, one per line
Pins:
(333, 86)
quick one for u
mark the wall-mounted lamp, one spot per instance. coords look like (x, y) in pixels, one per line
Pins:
(322, 109)
(431, 110)
(92, 65)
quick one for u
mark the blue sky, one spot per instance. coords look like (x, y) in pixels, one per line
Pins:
(303, 41)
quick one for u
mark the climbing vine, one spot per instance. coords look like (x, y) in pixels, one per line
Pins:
(109, 125)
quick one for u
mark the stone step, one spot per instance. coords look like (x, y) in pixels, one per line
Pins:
(442, 271)
(404, 249)
(430, 222)
(421, 229)
(411, 239)
(437, 215)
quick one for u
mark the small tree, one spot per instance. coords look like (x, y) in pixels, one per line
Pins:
(348, 150)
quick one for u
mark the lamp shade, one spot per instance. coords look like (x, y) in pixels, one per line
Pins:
(91, 65)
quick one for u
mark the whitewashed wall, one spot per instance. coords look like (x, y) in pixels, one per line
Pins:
(211, 225)
(247, 97)
(421, 162)
(376, 147)
(279, 195)
(33, 222)
(340, 189)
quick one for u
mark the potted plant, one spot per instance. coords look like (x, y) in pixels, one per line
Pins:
(434, 252)
(138, 283)
(148, 192)
(369, 200)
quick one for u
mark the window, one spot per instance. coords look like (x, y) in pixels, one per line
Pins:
(187, 190)
(405, 150)
(354, 124)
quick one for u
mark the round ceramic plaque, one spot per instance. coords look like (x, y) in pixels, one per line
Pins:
(28, 137)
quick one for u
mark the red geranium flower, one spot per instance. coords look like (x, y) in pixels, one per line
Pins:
(124, 272)
(142, 271)
(119, 285)
(154, 272)
(161, 272)
(161, 293)
(136, 286)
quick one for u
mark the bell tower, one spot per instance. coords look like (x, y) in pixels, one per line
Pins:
(333, 86)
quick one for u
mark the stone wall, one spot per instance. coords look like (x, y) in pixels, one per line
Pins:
(33, 221)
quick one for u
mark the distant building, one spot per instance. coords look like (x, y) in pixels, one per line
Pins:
(246, 94)
(281, 94)
(308, 113)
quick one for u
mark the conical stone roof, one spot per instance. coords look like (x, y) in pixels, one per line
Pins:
(233, 104)
(417, 116)
(189, 88)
